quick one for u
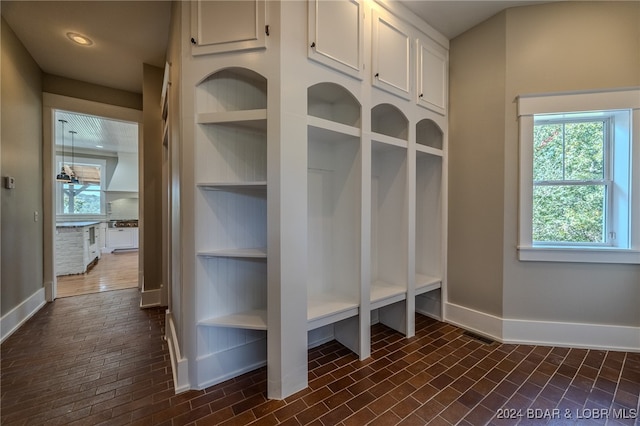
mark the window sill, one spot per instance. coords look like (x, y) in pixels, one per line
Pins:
(580, 255)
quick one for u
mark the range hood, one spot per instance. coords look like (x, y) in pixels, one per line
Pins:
(125, 176)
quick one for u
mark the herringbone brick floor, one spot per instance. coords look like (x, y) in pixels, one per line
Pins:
(100, 359)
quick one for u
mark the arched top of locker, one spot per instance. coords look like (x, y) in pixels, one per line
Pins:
(332, 102)
(428, 133)
(232, 89)
(387, 119)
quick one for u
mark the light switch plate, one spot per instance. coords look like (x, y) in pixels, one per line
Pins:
(9, 182)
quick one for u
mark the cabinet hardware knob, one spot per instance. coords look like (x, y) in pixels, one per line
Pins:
(266, 30)
(421, 95)
(313, 44)
(193, 41)
(377, 75)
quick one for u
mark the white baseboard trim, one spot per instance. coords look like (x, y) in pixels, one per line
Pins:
(179, 365)
(49, 291)
(13, 319)
(151, 298)
(545, 333)
(215, 368)
(574, 335)
(479, 322)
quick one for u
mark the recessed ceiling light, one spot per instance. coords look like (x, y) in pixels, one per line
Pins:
(99, 146)
(79, 39)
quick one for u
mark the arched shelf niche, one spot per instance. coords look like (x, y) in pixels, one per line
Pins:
(231, 89)
(332, 102)
(428, 133)
(387, 119)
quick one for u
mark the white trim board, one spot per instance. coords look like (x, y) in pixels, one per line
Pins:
(574, 335)
(179, 364)
(13, 319)
(479, 322)
(545, 333)
(150, 298)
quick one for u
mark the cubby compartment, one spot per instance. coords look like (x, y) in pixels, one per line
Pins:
(389, 224)
(231, 154)
(231, 221)
(334, 194)
(429, 223)
(236, 295)
(333, 229)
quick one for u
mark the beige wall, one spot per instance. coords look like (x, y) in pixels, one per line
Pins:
(20, 157)
(151, 173)
(476, 178)
(560, 47)
(91, 92)
(545, 48)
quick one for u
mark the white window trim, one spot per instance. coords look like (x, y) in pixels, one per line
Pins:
(528, 106)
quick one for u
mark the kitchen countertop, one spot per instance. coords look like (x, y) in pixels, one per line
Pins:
(76, 224)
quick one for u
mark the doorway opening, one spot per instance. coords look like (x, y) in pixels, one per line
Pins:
(95, 203)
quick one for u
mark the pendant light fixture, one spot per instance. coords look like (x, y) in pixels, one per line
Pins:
(72, 176)
(63, 176)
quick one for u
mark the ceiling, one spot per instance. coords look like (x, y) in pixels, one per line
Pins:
(453, 17)
(126, 34)
(95, 133)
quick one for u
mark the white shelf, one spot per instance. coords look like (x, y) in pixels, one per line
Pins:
(328, 310)
(247, 253)
(232, 186)
(252, 118)
(424, 149)
(381, 140)
(327, 130)
(383, 294)
(426, 283)
(250, 320)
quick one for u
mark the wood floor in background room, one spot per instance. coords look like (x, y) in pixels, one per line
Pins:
(114, 271)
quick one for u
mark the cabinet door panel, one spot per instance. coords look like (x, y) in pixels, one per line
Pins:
(225, 26)
(391, 56)
(336, 34)
(432, 77)
(120, 238)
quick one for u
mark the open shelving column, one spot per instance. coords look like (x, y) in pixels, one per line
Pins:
(231, 219)
(334, 186)
(389, 216)
(429, 220)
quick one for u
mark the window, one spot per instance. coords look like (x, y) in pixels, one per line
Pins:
(87, 196)
(577, 165)
(571, 180)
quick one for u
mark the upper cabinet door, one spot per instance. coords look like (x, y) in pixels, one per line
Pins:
(391, 58)
(225, 26)
(432, 76)
(336, 34)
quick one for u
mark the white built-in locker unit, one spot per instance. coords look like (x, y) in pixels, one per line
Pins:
(314, 144)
